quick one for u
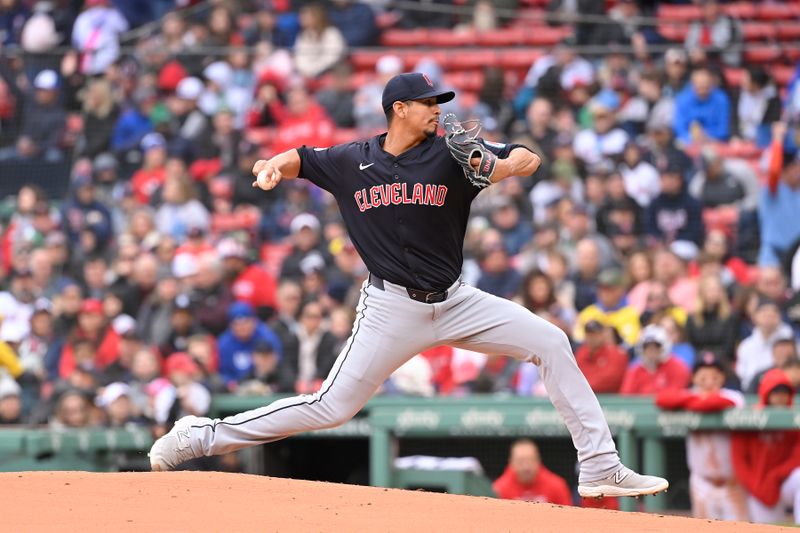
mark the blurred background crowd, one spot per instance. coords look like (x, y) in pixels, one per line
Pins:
(661, 228)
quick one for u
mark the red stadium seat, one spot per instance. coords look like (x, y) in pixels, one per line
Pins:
(545, 35)
(758, 31)
(467, 80)
(740, 10)
(763, 54)
(778, 11)
(365, 60)
(783, 74)
(503, 37)
(452, 38)
(789, 31)
(733, 76)
(472, 61)
(680, 13)
(792, 53)
(673, 31)
(413, 56)
(404, 37)
(518, 59)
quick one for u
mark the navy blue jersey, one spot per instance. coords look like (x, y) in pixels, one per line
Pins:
(406, 215)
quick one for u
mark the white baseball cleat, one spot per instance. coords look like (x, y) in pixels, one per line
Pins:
(173, 448)
(624, 482)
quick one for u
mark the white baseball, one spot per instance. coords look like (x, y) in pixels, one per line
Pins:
(263, 178)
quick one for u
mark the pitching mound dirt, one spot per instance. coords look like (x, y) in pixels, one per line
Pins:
(199, 501)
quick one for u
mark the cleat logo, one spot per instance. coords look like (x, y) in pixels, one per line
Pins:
(619, 477)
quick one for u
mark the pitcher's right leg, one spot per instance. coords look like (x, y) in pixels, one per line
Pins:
(386, 334)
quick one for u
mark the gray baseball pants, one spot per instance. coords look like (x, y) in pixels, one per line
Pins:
(390, 328)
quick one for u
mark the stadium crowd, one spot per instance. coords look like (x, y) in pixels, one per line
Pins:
(164, 277)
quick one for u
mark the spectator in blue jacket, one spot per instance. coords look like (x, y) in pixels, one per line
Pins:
(356, 21)
(702, 105)
(237, 343)
(674, 215)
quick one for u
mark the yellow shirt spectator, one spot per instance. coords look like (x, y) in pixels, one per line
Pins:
(611, 309)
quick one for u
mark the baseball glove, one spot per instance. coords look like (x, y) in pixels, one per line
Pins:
(464, 146)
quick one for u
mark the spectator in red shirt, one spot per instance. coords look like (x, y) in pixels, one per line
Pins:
(302, 121)
(768, 462)
(93, 329)
(151, 176)
(249, 283)
(601, 360)
(657, 368)
(526, 478)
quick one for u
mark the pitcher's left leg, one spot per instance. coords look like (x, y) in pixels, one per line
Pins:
(479, 321)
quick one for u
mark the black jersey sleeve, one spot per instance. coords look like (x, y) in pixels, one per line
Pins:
(324, 166)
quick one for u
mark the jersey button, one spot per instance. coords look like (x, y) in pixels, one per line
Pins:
(396, 177)
(396, 165)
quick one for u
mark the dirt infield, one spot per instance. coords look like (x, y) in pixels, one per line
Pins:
(197, 501)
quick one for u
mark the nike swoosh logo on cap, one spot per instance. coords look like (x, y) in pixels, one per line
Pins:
(362, 166)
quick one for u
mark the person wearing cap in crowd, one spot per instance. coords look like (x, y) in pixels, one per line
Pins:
(183, 325)
(600, 359)
(611, 308)
(702, 110)
(43, 122)
(248, 282)
(306, 241)
(34, 347)
(118, 410)
(713, 487)
(129, 343)
(191, 128)
(236, 344)
(152, 173)
(605, 139)
(784, 351)
(87, 221)
(367, 107)
(655, 367)
(754, 353)
(10, 401)
(93, 328)
(106, 178)
(674, 214)
(767, 463)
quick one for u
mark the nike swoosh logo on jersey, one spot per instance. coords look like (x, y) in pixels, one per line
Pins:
(362, 166)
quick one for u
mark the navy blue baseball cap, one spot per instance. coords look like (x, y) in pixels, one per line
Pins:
(412, 86)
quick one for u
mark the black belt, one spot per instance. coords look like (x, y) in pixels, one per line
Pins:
(426, 297)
